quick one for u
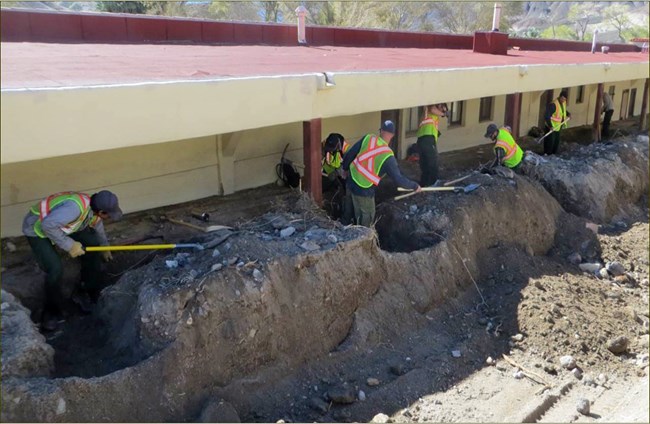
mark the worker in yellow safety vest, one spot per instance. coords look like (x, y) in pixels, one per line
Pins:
(555, 119)
(506, 150)
(366, 161)
(69, 220)
(334, 147)
(427, 143)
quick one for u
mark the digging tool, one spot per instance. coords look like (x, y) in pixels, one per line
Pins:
(201, 216)
(209, 229)
(144, 247)
(539, 140)
(467, 189)
(457, 180)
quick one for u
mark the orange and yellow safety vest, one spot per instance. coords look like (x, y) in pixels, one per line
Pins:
(365, 168)
(45, 206)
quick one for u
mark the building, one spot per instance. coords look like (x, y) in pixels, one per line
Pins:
(163, 111)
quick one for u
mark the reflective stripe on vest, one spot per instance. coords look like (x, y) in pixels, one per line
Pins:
(45, 206)
(429, 126)
(366, 166)
(558, 116)
(514, 154)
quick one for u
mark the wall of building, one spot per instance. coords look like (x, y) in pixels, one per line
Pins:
(162, 174)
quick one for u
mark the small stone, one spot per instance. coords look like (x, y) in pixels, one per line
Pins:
(332, 238)
(189, 321)
(482, 320)
(602, 273)
(372, 382)
(489, 361)
(216, 267)
(240, 264)
(257, 275)
(397, 369)
(583, 406)
(501, 366)
(318, 404)
(588, 381)
(615, 268)
(361, 395)
(568, 362)
(171, 264)
(232, 261)
(237, 293)
(11, 247)
(380, 418)
(642, 138)
(287, 232)
(455, 353)
(342, 394)
(413, 208)
(575, 258)
(618, 344)
(602, 378)
(518, 375)
(590, 267)
(310, 246)
(60, 407)
(215, 253)
(577, 373)
(4, 306)
(518, 337)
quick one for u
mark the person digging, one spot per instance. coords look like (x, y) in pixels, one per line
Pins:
(334, 148)
(427, 142)
(70, 220)
(506, 150)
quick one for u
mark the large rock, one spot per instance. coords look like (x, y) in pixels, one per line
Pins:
(618, 345)
(24, 350)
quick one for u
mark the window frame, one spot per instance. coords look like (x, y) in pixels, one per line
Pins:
(580, 95)
(460, 122)
(482, 116)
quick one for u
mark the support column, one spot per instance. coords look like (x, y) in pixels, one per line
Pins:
(597, 112)
(311, 136)
(643, 123)
(513, 113)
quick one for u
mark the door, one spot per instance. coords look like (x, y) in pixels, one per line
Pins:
(544, 99)
(393, 115)
(624, 103)
(630, 109)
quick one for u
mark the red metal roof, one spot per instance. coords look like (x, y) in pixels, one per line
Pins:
(32, 65)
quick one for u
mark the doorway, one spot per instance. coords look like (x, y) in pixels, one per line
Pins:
(544, 99)
(393, 115)
(624, 104)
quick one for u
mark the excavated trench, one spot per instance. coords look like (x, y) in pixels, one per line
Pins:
(264, 304)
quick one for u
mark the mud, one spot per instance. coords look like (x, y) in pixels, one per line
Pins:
(295, 317)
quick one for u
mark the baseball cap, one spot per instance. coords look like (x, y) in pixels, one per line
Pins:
(490, 130)
(564, 94)
(388, 126)
(332, 142)
(107, 201)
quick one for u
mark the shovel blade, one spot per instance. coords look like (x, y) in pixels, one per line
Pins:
(471, 187)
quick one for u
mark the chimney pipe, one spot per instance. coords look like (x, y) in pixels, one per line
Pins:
(301, 12)
(496, 17)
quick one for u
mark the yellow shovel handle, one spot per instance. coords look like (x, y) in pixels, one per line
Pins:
(134, 247)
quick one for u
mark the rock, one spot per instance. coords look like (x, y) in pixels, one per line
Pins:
(602, 379)
(25, 352)
(380, 418)
(361, 395)
(287, 232)
(589, 381)
(642, 138)
(318, 404)
(618, 345)
(219, 411)
(518, 375)
(397, 369)
(455, 353)
(413, 208)
(518, 337)
(171, 264)
(216, 267)
(342, 394)
(622, 279)
(583, 406)
(10, 246)
(215, 253)
(372, 382)
(577, 373)
(257, 275)
(615, 268)
(591, 226)
(568, 362)
(592, 267)
(602, 273)
(232, 261)
(310, 246)
(490, 361)
(575, 258)
(332, 238)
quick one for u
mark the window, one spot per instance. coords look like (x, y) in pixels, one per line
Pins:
(485, 111)
(456, 113)
(568, 93)
(580, 96)
(632, 101)
(612, 90)
(414, 117)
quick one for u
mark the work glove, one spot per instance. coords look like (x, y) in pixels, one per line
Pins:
(77, 249)
(107, 256)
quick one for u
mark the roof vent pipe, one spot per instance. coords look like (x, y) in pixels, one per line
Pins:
(301, 12)
(593, 42)
(496, 17)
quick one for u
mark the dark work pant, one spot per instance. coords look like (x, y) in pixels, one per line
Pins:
(428, 160)
(606, 121)
(50, 262)
(552, 143)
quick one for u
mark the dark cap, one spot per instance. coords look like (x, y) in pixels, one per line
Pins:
(106, 201)
(333, 141)
(388, 126)
(490, 130)
(564, 94)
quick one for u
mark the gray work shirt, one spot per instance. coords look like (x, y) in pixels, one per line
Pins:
(607, 102)
(60, 216)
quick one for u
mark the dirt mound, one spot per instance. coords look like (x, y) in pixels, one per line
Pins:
(597, 181)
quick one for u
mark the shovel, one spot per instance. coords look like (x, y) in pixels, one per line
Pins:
(539, 140)
(467, 189)
(143, 247)
(209, 229)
